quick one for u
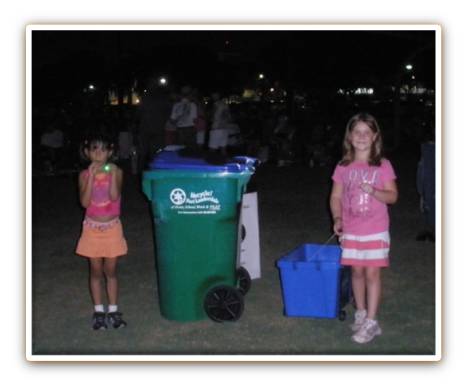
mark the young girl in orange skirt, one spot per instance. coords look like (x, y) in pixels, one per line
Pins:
(102, 240)
(363, 185)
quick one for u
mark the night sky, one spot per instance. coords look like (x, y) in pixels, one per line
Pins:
(65, 61)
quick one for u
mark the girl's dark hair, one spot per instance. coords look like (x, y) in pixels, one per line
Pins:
(376, 153)
(98, 137)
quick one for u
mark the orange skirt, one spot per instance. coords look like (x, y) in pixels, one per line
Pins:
(100, 239)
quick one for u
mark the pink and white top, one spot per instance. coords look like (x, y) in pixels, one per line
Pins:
(362, 214)
(101, 204)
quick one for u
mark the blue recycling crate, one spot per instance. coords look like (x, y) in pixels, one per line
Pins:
(310, 281)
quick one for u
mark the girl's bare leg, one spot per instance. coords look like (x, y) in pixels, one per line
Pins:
(373, 285)
(95, 279)
(110, 270)
(359, 286)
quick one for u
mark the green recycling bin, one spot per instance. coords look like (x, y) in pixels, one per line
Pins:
(196, 209)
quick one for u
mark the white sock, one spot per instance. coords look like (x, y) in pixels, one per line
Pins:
(99, 308)
(112, 308)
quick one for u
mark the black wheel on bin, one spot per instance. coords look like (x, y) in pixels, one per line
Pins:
(224, 303)
(243, 280)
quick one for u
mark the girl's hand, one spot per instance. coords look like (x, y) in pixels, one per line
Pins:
(367, 188)
(94, 168)
(338, 226)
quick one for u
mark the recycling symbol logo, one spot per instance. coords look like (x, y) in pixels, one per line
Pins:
(178, 196)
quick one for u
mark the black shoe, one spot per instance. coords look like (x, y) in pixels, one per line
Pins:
(115, 319)
(99, 321)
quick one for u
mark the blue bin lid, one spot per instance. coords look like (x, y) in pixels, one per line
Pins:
(176, 160)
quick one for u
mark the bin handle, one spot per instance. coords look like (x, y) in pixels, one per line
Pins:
(251, 162)
(323, 246)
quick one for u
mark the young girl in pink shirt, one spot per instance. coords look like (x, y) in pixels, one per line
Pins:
(363, 185)
(102, 240)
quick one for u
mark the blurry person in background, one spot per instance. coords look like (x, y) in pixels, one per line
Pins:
(183, 114)
(425, 182)
(154, 110)
(52, 142)
(220, 125)
(200, 122)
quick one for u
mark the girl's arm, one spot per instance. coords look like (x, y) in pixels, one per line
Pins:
(335, 207)
(116, 182)
(388, 194)
(85, 184)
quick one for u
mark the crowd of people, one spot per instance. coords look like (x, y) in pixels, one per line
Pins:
(212, 125)
(186, 119)
(204, 123)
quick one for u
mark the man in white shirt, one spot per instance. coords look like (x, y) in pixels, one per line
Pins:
(220, 125)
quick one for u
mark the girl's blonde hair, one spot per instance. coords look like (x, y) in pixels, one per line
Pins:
(375, 156)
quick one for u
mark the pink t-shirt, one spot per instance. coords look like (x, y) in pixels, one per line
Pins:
(101, 204)
(363, 214)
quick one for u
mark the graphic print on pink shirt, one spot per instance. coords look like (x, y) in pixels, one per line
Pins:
(362, 213)
(360, 203)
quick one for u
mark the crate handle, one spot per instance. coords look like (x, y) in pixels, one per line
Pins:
(323, 245)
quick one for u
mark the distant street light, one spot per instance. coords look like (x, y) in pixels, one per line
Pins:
(162, 81)
(91, 87)
(261, 76)
(409, 67)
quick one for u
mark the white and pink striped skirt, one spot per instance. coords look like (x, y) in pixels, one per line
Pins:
(369, 251)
